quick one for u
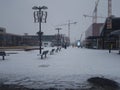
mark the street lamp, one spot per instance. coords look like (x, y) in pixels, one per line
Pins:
(58, 39)
(38, 15)
(36, 8)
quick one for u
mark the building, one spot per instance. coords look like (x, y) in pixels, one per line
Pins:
(99, 35)
(30, 40)
(9, 39)
(92, 35)
(2, 33)
(48, 40)
(111, 24)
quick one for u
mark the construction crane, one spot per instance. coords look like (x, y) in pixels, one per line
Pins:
(95, 12)
(68, 24)
(109, 8)
(94, 16)
(94, 19)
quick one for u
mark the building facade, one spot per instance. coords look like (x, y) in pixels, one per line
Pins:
(99, 35)
(111, 24)
(8, 39)
(92, 35)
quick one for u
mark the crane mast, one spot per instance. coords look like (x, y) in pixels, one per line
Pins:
(109, 8)
(95, 12)
(94, 16)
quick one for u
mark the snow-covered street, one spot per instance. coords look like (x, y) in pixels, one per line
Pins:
(70, 67)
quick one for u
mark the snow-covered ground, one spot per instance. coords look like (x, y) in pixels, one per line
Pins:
(69, 68)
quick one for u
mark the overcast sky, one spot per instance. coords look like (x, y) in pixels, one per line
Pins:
(17, 15)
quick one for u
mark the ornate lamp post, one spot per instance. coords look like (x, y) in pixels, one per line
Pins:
(40, 17)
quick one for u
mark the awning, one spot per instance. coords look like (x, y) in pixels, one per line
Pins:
(117, 33)
(93, 37)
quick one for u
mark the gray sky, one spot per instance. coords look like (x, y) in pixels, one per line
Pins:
(17, 15)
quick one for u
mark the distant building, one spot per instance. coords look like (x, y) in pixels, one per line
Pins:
(47, 40)
(2, 35)
(8, 39)
(30, 40)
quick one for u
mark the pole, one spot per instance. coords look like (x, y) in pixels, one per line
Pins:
(40, 34)
(109, 8)
(58, 39)
(69, 29)
(38, 18)
(68, 24)
(119, 44)
(81, 40)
